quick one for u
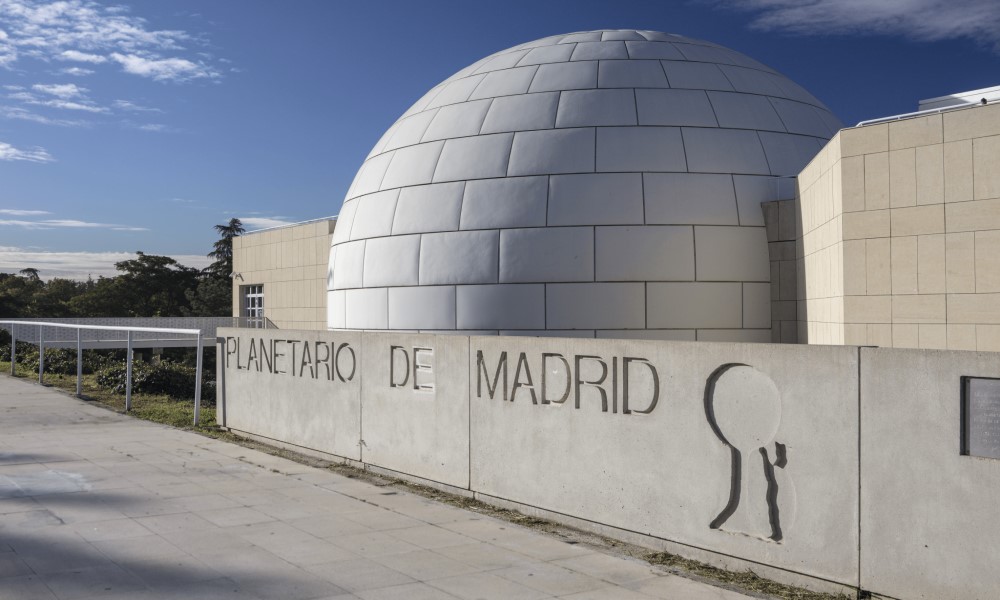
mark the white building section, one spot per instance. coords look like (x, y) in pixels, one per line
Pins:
(596, 184)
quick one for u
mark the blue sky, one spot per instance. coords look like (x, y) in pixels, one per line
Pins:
(137, 125)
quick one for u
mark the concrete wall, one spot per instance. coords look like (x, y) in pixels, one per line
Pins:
(822, 465)
(291, 263)
(295, 386)
(901, 234)
(928, 514)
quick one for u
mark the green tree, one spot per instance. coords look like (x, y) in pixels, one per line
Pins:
(17, 295)
(222, 250)
(213, 295)
(154, 286)
(147, 286)
(212, 298)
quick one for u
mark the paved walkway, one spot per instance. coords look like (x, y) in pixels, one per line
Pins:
(98, 505)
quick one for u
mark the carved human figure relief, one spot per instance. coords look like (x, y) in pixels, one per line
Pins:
(743, 407)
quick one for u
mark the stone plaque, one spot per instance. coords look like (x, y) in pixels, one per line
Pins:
(981, 417)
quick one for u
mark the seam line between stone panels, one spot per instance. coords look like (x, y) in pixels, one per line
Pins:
(557, 128)
(777, 113)
(476, 87)
(694, 246)
(764, 153)
(361, 395)
(859, 465)
(736, 200)
(468, 342)
(734, 90)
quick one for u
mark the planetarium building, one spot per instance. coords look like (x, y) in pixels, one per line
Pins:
(665, 194)
(606, 184)
(635, 184)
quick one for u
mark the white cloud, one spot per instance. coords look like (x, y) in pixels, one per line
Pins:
(20, 114)
(77, 265)
(78, 56)
(69, 105)
(87, 32)
(60, 90)
(154, 127)
(924, 20)
(38, 155)
(264, 222)
(133, 107)
(17, 212)
(76, 72)
(66, 224)
(8, 53)
(67, 96)
(163, 69)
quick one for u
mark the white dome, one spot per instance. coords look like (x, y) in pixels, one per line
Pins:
(605, 184)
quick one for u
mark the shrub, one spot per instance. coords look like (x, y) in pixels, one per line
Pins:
(60, 360)
(168, 378)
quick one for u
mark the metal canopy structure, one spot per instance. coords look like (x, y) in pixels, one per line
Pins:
(110, 333)
(127, 333)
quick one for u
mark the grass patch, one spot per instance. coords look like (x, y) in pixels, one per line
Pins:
(741, 580)
(159, 408)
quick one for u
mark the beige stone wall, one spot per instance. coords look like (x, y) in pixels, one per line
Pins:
(901, 234)
(820, 249)
(781, 224)
(291, 263)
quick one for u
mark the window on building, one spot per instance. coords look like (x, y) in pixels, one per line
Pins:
(253, 305)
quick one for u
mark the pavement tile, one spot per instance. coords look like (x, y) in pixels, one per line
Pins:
(410, 591)
(177, 490)
(541, 547)
(164, 573)
(228, 517)
(360, 574)
(551, 579)
(287, 583)
(484, 556)
(326, 526)
(12, 566)
(380, 519)
(437, 514)
(262, 534)
(610, 568)
(609, 592)
(310, 552)
(150, 547)
(175, 523)
(287, 511)
(430, 536)
(16, 505)
(669, 587)
(81, 507)
(199, 502)
(66, 556)
(373, 544)
(425, 564)
(484, 586)
(80, 583)
(27, 587)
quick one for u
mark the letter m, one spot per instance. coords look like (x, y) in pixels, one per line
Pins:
(481, 372)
